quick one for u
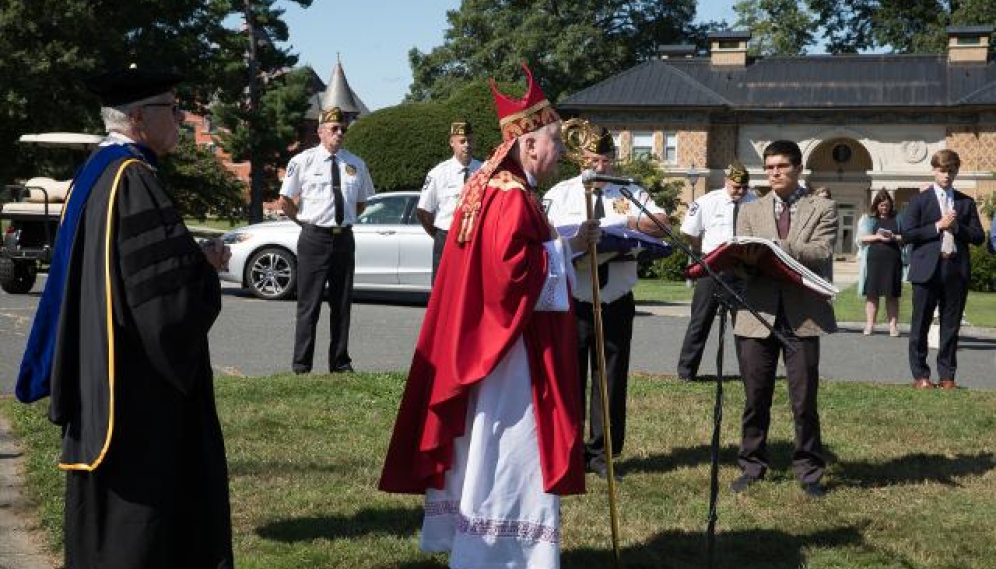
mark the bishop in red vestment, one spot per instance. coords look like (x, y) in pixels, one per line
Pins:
(482, 321)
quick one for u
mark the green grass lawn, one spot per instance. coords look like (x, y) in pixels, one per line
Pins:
(980, 310)
(912, 480)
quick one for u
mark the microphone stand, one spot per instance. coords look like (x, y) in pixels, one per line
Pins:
(726, 304)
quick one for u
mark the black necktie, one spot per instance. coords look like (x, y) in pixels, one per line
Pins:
(466, 173)
(736, 212)
(337, 200)
(603, 269)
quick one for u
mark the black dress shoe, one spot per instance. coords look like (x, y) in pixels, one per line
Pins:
(348, 368)
(814, 490)
(301, 371)
(742, 483)
(601, 469)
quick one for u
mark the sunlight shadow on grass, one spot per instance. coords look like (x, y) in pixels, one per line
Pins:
(914, 469)
(400, 522)
(779, 453)
(771, 549)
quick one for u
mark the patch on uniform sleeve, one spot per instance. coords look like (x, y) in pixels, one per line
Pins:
(291, 168)
(428, 180)
(547, 204)
(350, 169)
(694, 210)
(620, 206)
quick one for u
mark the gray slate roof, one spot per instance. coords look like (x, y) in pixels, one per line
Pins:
(808, 82)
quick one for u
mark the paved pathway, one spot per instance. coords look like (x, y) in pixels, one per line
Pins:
(19, 542)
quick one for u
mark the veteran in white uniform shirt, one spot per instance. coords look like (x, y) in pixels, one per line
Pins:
(442, 187)
(709, 223)
(565, 205)
(331, 186)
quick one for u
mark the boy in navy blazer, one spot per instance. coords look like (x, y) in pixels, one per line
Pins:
(941, 223)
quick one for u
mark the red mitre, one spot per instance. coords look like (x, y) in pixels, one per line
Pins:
(520, 116)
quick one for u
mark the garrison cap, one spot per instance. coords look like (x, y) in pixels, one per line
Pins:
(461, 128)
(334, 114)
(736, 172)
(602, 142)
(117, 88)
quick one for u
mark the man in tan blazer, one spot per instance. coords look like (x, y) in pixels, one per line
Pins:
(805, 226)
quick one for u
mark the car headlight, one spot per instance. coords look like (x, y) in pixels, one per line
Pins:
(235, 237)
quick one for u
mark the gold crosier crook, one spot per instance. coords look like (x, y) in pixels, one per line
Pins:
(578, 134)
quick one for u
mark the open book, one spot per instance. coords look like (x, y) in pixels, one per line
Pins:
(774, 262)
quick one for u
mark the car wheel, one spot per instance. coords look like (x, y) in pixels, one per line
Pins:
(17, 278)
(272, 274)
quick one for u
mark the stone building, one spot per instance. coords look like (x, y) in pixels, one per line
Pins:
(864, 122)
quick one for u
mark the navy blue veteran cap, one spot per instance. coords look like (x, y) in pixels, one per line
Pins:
(133, 84)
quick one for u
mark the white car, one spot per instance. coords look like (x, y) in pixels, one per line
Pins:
(393, 252)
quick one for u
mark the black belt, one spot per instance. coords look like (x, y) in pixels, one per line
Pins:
(334, 230)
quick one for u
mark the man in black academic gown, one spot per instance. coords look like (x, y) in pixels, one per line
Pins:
(131, 380)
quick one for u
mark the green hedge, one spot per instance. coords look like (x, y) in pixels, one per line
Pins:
(401, 144)
(983, 270)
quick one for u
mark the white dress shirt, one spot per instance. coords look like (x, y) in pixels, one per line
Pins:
(309, 176)
(565, 205)
(441, 190)
(711, 218)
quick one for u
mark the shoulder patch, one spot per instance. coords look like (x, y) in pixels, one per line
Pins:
(694, 209)
(505, 181)
(350, 169)
(428, 180)
(547, 204)
(291, 167)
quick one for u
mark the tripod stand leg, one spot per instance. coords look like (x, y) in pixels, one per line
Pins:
(717, 427)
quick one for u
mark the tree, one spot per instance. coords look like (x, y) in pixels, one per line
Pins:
(401, 144)
(903, 26)
(280, 111)
(48, 47)
(199, 184)
(264, 105)
(569, 45)
(778, 27)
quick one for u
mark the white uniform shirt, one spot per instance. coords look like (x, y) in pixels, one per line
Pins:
(565, 205)
(711, 218)
(441, 190)
(309, 175)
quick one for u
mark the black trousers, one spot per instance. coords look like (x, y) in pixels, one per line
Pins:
(947, 291)
(617, 326)
(703, 312)
(438, 241)
(323, 258)
(758, 364)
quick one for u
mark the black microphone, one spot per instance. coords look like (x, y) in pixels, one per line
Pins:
(590, 176)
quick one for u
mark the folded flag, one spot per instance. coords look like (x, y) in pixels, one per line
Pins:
(617, 240)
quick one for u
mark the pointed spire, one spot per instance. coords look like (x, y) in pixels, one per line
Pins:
(339, 94)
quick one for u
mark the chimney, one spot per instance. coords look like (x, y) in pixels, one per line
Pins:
(969, 44)
(728, 48)
(672, 51)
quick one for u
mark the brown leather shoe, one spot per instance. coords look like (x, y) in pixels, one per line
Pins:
(947, 384)
(923, 383)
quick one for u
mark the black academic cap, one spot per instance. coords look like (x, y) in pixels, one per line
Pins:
(122, 87)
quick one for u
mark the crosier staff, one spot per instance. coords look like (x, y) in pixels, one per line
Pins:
(577, 133)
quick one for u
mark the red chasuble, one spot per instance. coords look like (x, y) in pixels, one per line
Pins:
(483, 300)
